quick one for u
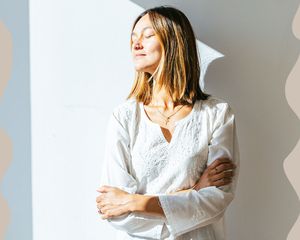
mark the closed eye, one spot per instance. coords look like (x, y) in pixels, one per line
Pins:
(149, 36)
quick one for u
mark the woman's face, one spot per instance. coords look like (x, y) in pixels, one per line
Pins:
(146, 49)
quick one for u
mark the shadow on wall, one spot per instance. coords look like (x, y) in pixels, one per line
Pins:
(260, 51)
(5, 142)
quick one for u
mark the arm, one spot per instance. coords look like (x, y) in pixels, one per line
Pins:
(189, 210)
(210, 177)
(116, 173)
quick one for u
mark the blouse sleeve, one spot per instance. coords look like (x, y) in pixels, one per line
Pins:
(187, 211)
(116, 173)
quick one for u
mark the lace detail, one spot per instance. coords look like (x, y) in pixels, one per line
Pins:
(161, 167)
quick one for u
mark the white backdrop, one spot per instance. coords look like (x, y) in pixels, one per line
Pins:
(80, 69)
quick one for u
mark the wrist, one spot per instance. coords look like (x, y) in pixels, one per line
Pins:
(139, 202)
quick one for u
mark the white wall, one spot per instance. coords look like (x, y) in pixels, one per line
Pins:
(80, 69)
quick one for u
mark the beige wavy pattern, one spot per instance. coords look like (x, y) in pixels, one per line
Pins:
(292, 162)
(5, 141)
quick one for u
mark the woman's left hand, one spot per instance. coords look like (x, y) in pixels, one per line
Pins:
(113, 202)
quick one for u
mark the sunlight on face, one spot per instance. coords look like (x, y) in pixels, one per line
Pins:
(146, 49)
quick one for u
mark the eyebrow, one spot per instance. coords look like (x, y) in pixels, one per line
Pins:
(133, 33)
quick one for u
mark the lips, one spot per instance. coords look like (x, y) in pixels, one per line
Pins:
(140, 55)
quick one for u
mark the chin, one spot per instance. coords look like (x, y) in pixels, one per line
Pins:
(140, 69)
(143, 69)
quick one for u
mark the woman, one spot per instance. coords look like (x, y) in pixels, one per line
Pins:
(171, 149)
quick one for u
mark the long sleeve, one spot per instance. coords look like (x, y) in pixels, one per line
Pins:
(190, 210)
(116, 173)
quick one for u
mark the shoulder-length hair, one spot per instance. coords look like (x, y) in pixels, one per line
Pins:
(179, 69)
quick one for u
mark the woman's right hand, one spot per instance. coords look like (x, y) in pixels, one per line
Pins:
(219, 173)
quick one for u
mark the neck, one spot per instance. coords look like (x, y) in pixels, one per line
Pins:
(162, 99)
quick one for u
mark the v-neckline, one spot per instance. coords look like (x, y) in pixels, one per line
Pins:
(180, 121)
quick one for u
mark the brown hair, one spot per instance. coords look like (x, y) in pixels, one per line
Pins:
(179, 69)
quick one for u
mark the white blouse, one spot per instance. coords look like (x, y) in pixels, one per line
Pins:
(138, 159)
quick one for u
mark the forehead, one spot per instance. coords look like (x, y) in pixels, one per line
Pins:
(143, 24)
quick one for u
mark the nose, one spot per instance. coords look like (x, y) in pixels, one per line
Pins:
(137, 45)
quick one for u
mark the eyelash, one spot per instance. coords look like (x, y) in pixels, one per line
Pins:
(148, 36)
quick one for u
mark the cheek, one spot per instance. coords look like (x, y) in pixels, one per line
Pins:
(154, 51)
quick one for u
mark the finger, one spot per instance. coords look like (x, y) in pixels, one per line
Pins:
(221, 168)
(222, 182)
(219, 161)
(104, 201)
(106, 214)
(100, 198)
(113, 211)
(229, 164)
(224, 174)
(101, 205)
(225, 167)
(104, 188)
(104, 209)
